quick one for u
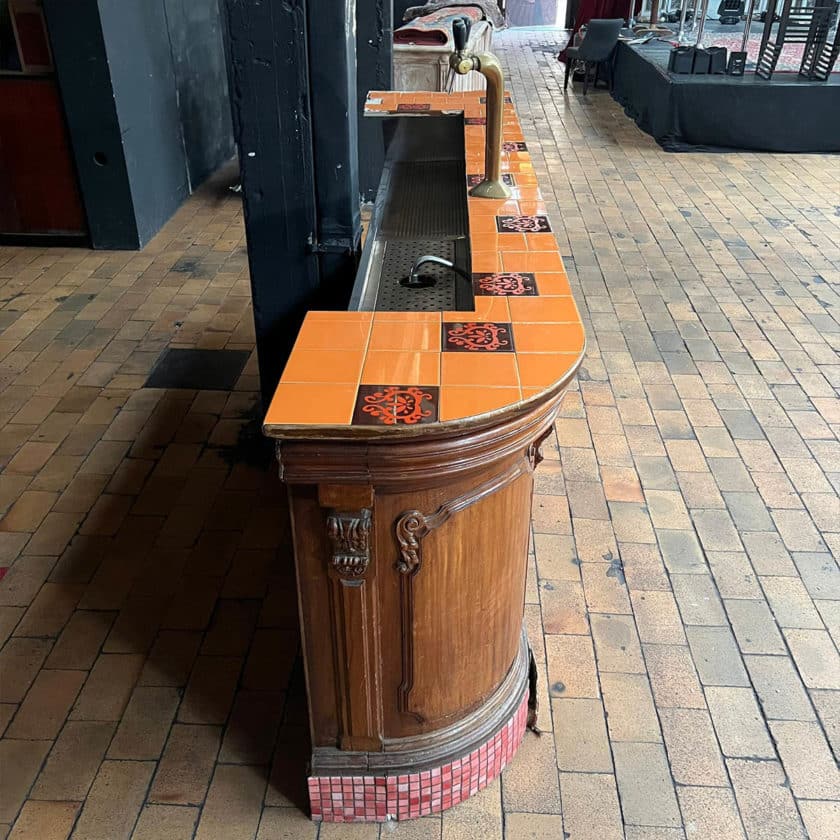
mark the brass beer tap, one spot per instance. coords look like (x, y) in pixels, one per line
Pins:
(463, 62)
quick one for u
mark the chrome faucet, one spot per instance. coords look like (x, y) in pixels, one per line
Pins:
(415, 280)
(463, 62)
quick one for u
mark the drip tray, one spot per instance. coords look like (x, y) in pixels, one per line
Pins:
(426, 198)
(397, 263)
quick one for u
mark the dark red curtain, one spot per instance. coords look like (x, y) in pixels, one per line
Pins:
(601, 10)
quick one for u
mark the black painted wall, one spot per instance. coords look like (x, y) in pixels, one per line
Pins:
(143, 78)
(266, 47)
(399, 10)
(144, 87)
(195, 32)
(84, 79)
(374, 71)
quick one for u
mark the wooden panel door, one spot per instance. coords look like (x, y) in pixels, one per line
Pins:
(37, 172)
(38, 189)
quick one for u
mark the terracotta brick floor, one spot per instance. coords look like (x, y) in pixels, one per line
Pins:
(684, 597)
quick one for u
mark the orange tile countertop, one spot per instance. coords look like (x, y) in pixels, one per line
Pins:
(356, 374)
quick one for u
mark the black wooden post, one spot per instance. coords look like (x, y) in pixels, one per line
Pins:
(333, 99)
(293, 94)
(374, 46)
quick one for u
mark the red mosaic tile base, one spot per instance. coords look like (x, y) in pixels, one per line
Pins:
(381, 798)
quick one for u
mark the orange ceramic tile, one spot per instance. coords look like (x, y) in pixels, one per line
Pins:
(399, 317)
(458, 402)
(524, 178)
(540, 242)
(525, 193)
(482, 224)
(543, 309)
(412, 336)
(446, 100)
(332, 317)
(487, 308)
(540, 370)
(324, 366)
(553, 283)
(310, 404)
(531, 261)
(492, 207)
(549, 338)
(484, 261)
(499, 242)
(333, 335)
(399, 367)
(488, 369)
(380, 101)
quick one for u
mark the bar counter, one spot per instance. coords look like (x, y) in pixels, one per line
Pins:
(408, 442)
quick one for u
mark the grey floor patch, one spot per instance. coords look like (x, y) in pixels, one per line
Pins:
(202, 370)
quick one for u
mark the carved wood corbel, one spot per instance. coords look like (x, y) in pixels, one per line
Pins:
(354, 607)
(349, 534)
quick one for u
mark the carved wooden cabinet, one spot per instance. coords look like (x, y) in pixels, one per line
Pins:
(411, 550)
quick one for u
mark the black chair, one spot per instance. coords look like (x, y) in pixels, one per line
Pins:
(595, 50)
(730, 11)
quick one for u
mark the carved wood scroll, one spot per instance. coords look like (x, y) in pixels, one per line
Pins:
(413, 526)
(535, 455)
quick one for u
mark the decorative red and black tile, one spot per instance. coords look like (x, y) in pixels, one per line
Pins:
(396, 405)
(477, 337)
(514, 146)
(474, 180)
(523, 224)
(475, 121)
(413, 106)
(510, 284)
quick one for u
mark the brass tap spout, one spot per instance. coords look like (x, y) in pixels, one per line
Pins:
(463, 62)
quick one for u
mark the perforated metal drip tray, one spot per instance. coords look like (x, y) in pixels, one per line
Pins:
(399, 257)
(420, 210)
(425, 198)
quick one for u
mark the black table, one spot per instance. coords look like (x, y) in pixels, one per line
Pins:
(707, 113)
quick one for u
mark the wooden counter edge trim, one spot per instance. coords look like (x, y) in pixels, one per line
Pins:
(440, 452)
(422, 752)
(355, 433)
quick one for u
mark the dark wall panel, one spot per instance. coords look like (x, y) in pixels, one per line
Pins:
(374, 47)
(84, 80)
(195, 30)
(143, 77)
(145, 93)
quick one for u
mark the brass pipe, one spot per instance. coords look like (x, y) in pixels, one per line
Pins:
(488, 65)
